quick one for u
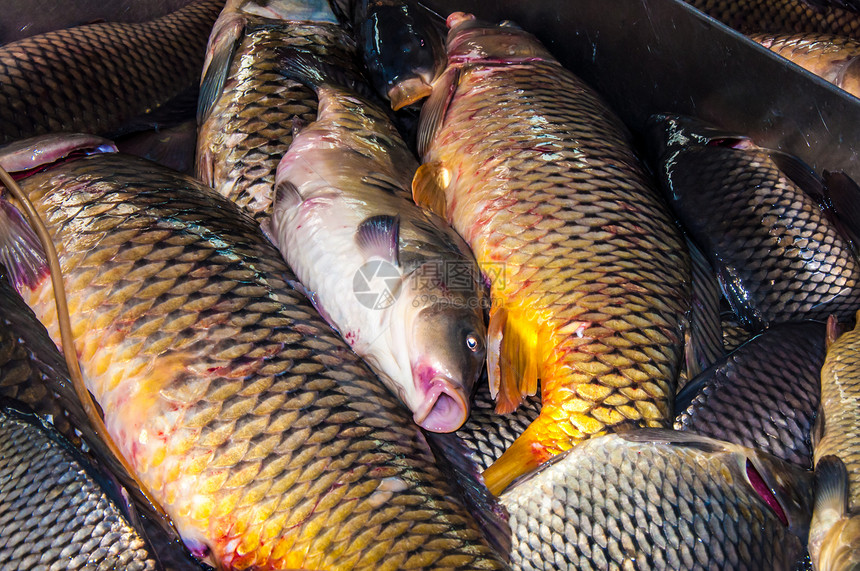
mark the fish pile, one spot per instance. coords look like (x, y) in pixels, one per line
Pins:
(398, 291)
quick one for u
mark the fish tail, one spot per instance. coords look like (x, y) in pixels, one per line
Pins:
(313, 71)
(529, 451)
(513, 357)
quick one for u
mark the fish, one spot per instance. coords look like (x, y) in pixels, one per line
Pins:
(658, 499)
(830, 57)
(35, 381)
(58, 510)
(174, 147)
(266, 440)
(763, 395)
(403, 46)
(401, 287)
(734, 334)
(247, 109)
(99, 77)
(25, 20)
(488, 434)
(589, 276)
(756, 215)
(834, 536)
(783, 16)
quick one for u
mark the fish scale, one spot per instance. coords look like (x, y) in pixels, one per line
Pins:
(594, 277)
(751, 16)
(95, 78)
(774, 244)
(265, 438)
(610, 503)
(251, 125)
(53, 512)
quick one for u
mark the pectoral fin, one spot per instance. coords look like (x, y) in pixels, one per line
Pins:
(20, 250)
(428, 188)
(219, 56)
(380, 236)
(512, 359)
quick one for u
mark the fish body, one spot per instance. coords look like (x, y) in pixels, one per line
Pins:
(57, 511)
(783, 16)
(403, 46)
(834, 540)
(833, 58)
(395, 280)
(267, 441)
(778, 256)
(657, 499)
(97, 78)
(487, 433)
(589, 276)
(764, 395)
(248, 109)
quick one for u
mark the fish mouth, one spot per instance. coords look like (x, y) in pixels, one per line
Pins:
(444, 408)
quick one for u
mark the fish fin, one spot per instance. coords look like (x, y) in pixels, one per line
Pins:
(269, 232)
(800, 173)
(287, 196)
(314, 72)
(436, 107)
(514, 373)
(691, 390)
(458, 460)
(842, 195)
(706, 334)
(20, 249)
(219, 58)
(380, 236)
(408, 91)
(428, 188)
(831, 485)
(674, 438)
(523, 456)
(297, 125)
(833, 331)
(748, 316)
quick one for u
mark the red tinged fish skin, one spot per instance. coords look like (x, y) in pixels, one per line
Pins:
(267, 441)
(590, 277)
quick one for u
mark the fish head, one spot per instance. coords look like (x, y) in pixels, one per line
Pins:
(403, 49)
(670, 133)
(445, 338)
(287, 10)
(471, 40)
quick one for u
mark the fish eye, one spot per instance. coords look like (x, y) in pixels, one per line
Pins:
(472, 342)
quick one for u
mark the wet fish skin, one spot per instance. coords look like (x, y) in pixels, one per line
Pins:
(779, 258)
(402, 43)
(639, 497)
(343, 209)
(590, 277)
(834, 542)
(781, 16)
(247, 123)
(487, 433)
(830, 57)
(56, 510)
(95, 78)
(265, 438)
(764, 395)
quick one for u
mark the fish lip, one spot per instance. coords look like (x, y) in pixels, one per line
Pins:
(447, 420)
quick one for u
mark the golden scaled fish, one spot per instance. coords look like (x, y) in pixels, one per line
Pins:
(248, 109)
(833, 58)
(589, 275)
(263, 436)
(834, 535)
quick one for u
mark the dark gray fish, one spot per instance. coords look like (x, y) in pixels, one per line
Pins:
(763, 395)
(57, 511)
(403, 45)
(487, 433)
(752, 16)
(658, 499)
(173, 147)
(756, 215)
(97, 78)
(734, 334)
(703, 343)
